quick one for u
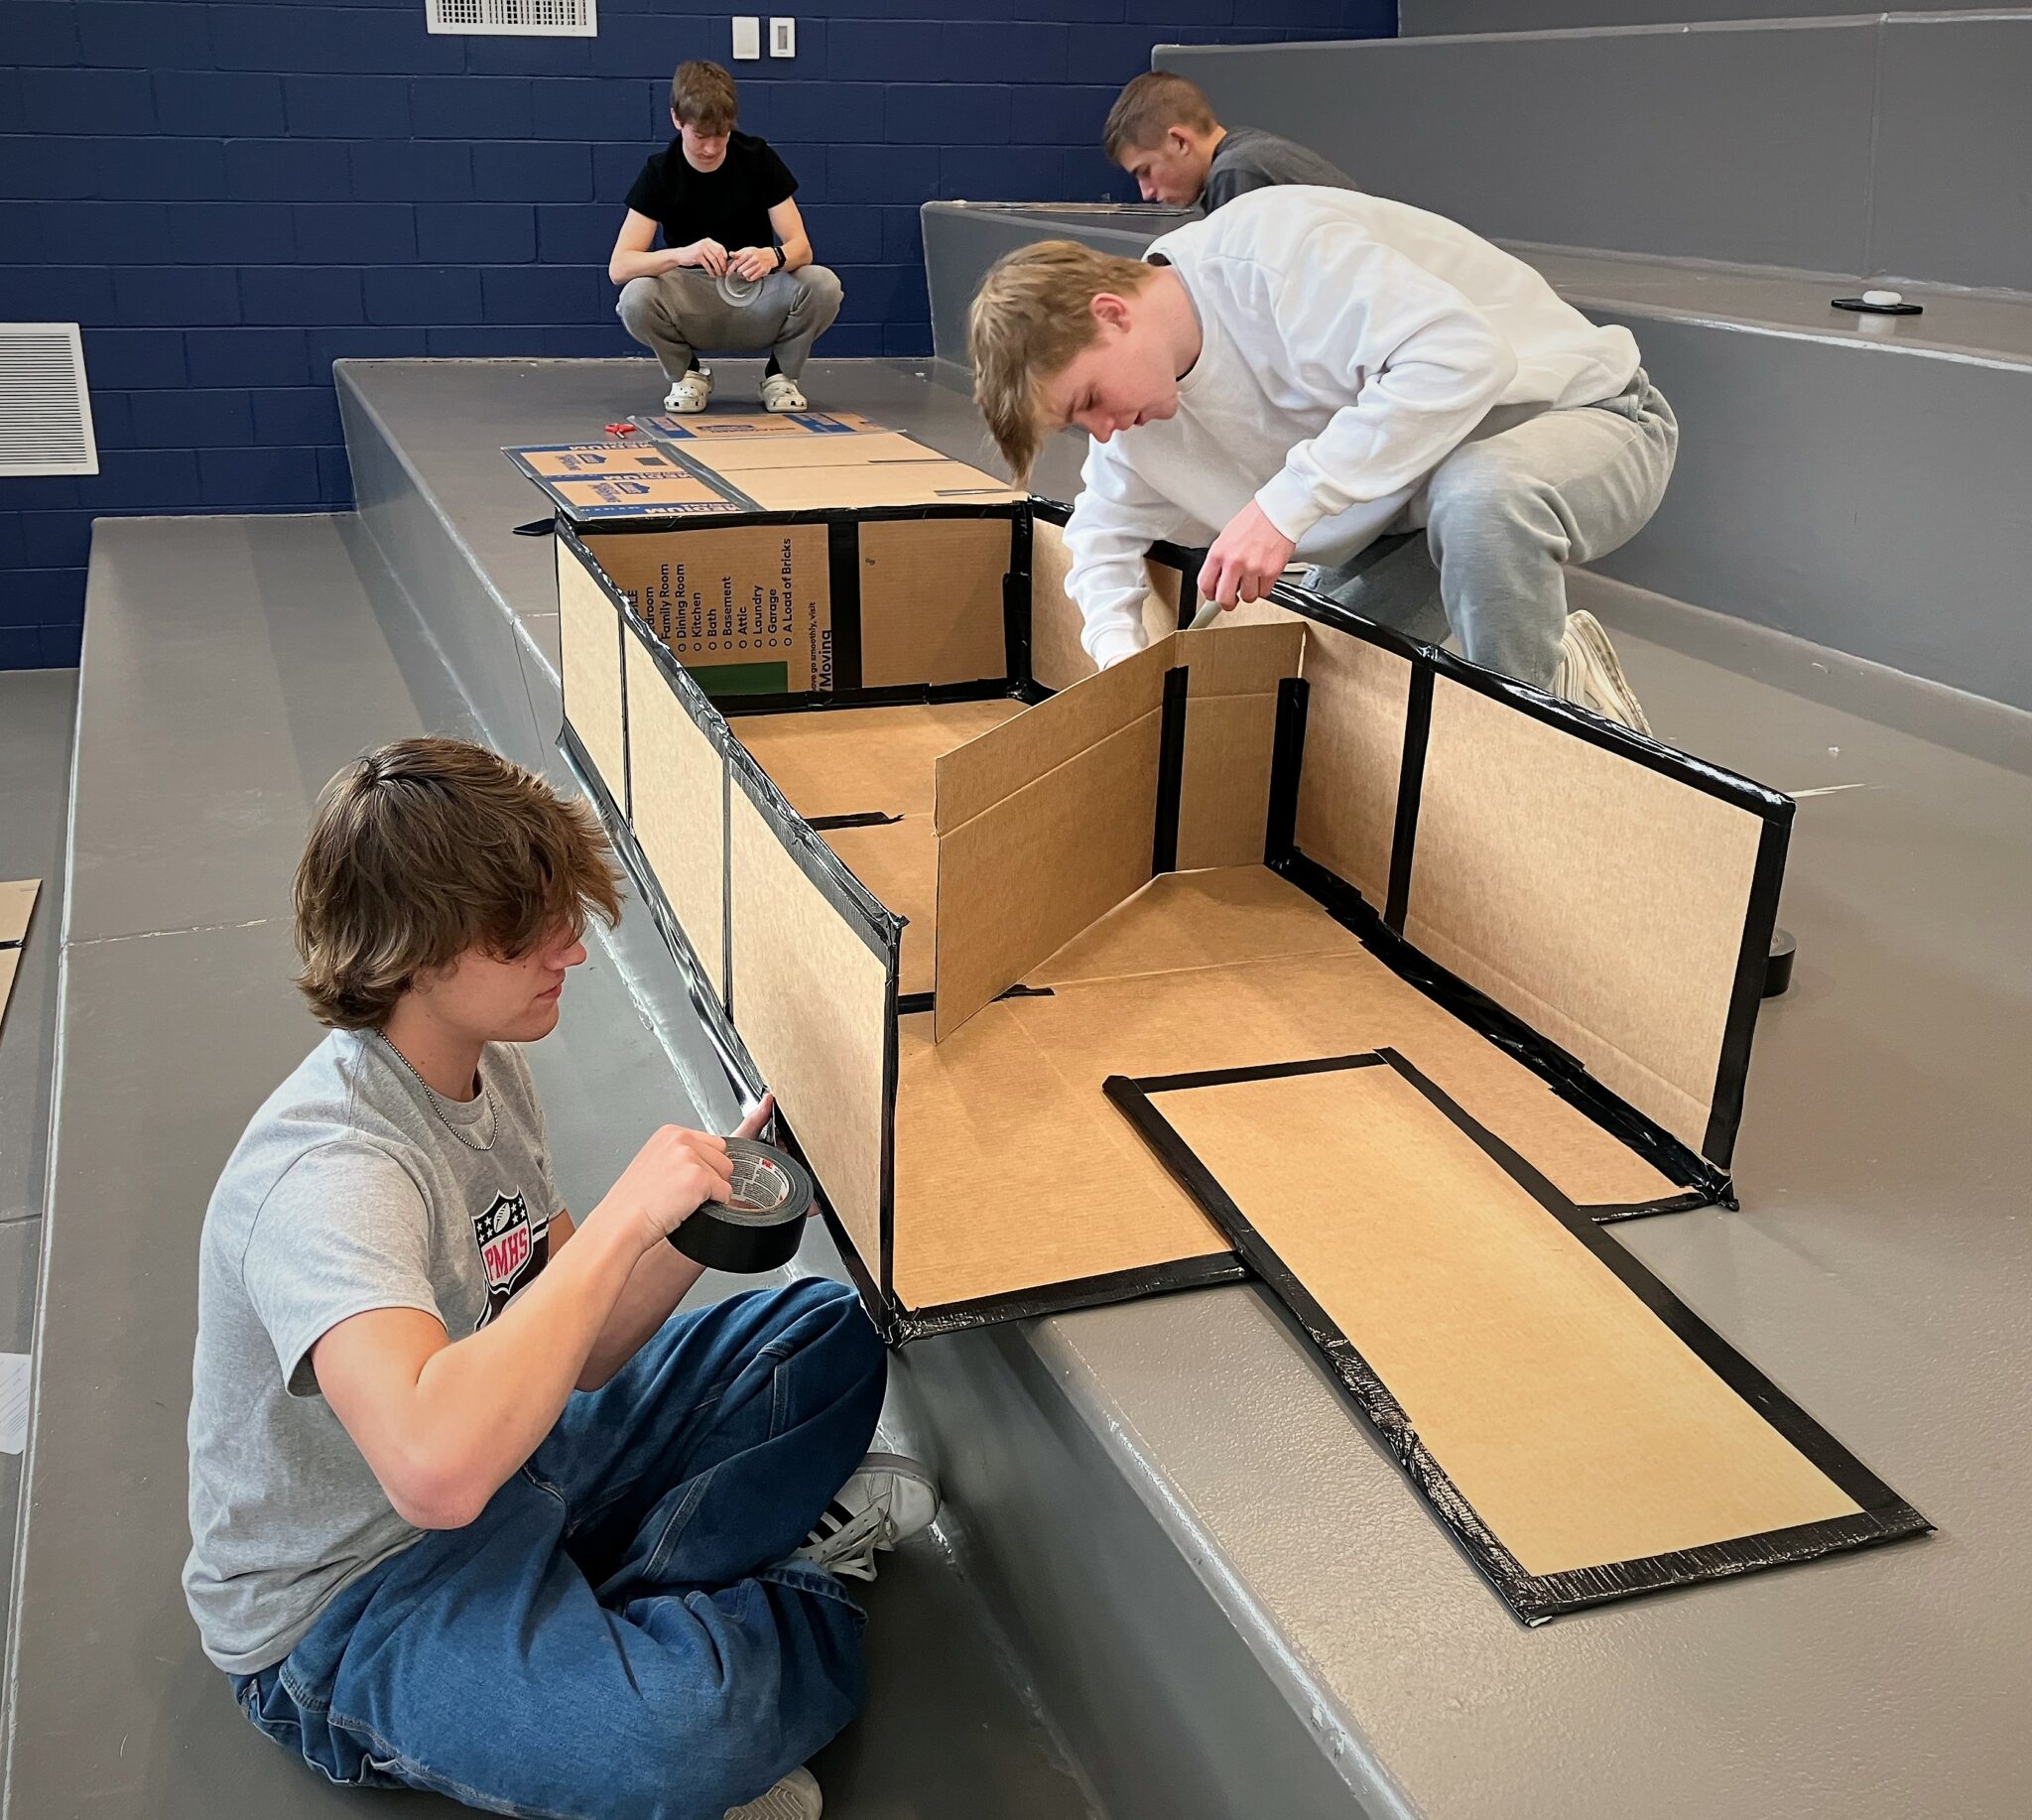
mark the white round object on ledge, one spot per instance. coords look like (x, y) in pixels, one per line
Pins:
(1880, 298)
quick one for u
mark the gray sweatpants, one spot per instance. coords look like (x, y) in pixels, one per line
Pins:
(682, 312)
(1523, 496)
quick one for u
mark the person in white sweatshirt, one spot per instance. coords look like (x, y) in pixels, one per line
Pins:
(1307, 371)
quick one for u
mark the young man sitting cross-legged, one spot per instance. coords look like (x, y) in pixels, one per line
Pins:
(734, 273)
(472, 1508)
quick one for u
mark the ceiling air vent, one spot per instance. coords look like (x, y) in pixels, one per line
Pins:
(44, 409)
(515, 18)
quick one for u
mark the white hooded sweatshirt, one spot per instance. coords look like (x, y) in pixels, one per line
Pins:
(1350, 344)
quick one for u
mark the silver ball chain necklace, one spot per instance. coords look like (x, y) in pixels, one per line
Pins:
(436, 1100)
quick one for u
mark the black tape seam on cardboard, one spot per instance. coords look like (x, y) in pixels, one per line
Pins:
(1559, 1070)
(537, 527)
(1059, 1298)
(1418, 721)
(892, 1075)
(1287, 762)
(1533, 1598)
(1016, 603)
(868, 817)
(1732, 1067)
(1171, 772)
(875, 923)
(627, 803)
(731, 519)
(888, 694)
(843, 570)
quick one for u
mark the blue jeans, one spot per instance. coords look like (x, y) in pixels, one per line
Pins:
(622, 1632)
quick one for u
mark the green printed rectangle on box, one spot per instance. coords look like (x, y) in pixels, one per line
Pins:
(741, 679)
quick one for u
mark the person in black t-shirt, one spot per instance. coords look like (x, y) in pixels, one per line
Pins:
(735, 269)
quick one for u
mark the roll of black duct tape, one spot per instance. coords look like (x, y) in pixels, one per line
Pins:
(758, 1227)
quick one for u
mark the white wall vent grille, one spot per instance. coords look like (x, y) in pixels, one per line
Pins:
(515, 18)
(44, 409)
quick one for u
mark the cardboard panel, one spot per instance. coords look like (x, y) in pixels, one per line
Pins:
(1056, 656)
(734, 457)
(1231, 728)
(679, 780)
(749, 611)
(1353, 758)
(808, 489)
(975, 776)
(1029, 872)
(811, 1000)
(1579, 1429)
(899, 862)
(1200, 970)
(1600, 900)
(595, 461)
(17, 904)
(717, 427)
(932, 608)
(590, 666)
(864, 760)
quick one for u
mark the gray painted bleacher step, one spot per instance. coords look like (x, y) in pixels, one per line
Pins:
(230, 666)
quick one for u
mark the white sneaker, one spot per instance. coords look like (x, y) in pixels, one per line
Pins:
(796, 1797)
(887, 1500)
(1588, 674)
(690, 394)
(780, 393)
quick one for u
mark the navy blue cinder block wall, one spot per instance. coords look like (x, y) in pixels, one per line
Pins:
(230, 196)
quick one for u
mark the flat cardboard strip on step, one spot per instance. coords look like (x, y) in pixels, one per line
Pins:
(1581, 1433)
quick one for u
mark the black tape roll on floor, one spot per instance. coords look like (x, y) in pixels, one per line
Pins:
(759, 1227)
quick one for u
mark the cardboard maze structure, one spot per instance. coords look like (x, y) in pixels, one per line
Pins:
(1286, 947)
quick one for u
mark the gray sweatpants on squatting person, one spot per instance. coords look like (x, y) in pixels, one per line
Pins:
(682, 312)
(1526, 494)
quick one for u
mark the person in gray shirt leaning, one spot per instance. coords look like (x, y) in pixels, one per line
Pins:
(1162, 130)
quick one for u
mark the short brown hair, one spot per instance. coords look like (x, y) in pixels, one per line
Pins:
(702, 96)
(425, 850)
(1150, 107)
(1030, 319)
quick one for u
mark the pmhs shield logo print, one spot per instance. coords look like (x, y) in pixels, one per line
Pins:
(513, 1251)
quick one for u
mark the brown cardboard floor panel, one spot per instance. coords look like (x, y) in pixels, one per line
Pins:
(735, 456)
(590, 660)
(1600, 900)
(789, 489)
(899, 862)
(17, 905)
(1014, 1172)
(931, 604)
(864, 760)
(811, 1000)
(1579, 1426)
(679, 785)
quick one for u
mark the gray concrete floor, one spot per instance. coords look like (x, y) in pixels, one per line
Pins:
(37, 709)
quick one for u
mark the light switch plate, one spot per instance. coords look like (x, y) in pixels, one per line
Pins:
(783, 38)
(747, 38)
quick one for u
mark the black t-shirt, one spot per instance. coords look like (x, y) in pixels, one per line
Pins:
(730, 205)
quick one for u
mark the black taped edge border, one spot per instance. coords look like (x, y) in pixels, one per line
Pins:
(1170, 773)
(1016, 606)
(1287, 762)
(843, 581)
(1418, 727)
(1732, 1066)
(1533, 1598)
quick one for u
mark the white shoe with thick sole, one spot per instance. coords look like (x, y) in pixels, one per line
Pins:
(780, 393)
(1590, 674)
(888, 1500)
(796, 1797)
(690, 394)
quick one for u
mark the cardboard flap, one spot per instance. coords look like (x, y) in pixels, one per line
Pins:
(589, 668)
(933, 606)
(1057, 658)
(1600, 899)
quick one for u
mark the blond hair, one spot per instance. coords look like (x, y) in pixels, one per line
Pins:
(1031, 318)
(1150, 107)
(702, 96)
(425, 850)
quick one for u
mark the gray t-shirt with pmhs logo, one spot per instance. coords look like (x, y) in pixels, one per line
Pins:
(355, 1188)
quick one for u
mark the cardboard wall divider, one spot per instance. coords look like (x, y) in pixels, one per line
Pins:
(1800, 1465)
(1287, 704)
